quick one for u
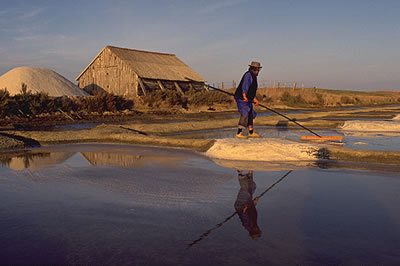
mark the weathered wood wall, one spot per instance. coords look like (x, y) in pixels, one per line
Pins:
(110, 74)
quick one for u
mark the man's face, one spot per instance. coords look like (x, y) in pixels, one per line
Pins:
(256, 71)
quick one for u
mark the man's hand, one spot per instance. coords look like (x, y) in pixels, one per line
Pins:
(245, 98)
(256, 102)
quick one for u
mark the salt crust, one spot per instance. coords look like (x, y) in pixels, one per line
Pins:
(265, 149)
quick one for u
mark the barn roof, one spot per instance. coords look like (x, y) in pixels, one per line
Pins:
(152, 65)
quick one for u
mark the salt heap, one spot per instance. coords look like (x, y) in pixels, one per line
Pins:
(39, 80)
(265, 149)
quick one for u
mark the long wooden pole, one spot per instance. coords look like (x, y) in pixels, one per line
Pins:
(272, 110)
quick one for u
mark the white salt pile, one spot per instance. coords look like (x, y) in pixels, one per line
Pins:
(38, 80)
(377, 126)
(265, 149)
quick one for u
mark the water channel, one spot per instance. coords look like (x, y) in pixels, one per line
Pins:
(133, 205)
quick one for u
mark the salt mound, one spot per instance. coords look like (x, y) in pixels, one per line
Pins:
(39, 80)
(265, 149)
(397, 117)
(377, 126)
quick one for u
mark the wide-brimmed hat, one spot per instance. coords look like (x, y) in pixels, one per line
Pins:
(255, 64)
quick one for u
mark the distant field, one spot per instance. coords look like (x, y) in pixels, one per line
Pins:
(315, 97)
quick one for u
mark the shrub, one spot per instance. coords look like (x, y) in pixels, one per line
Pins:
(102, 102)
(346, 100)
(22, 101)
(28, 103)
(203, 97)
(40, 103)
(292, 100)
(164, 98)
(7, 103)
(66, 104)
(264, 98)
(320, 99)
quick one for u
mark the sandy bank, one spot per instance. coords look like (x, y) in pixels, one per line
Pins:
(106, 133)
(271, 150)
(372, 126)
(7, 143)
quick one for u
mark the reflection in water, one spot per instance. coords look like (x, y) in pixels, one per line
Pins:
(130, 160)
(33, 160)
(245, 206)
(206, 233)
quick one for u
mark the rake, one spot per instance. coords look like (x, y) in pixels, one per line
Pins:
(316, 137)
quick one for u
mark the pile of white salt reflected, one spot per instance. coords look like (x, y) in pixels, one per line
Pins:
(264, 149)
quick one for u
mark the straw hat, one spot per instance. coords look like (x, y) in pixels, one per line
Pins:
(255, 64)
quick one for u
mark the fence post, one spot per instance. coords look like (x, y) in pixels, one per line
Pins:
(294, 85)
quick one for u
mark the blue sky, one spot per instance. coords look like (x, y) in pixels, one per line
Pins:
(327, 44)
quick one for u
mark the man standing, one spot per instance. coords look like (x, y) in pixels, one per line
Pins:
(245, 95)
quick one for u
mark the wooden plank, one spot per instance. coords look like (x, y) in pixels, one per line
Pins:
(178, 88)
(161, 85)
(142, 86)
(64, 113)
(338, 138)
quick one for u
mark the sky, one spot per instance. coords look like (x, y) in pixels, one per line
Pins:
(351, 44)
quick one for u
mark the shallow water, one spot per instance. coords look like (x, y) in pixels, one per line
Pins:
(382, 141)
(119, 204)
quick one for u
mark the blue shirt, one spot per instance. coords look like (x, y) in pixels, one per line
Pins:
(247, 80)
(245, 107)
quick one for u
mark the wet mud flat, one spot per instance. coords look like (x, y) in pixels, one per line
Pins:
(130, 204)
(135, 201)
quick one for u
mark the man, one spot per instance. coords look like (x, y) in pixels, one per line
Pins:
(245, 95)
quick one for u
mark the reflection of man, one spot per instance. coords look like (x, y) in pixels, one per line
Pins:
(245, 205)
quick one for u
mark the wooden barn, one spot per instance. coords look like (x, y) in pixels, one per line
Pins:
(130, 72)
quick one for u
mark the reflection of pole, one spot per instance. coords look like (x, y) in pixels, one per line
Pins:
(233, 214)
(265, 191)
